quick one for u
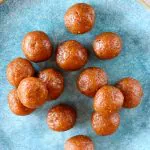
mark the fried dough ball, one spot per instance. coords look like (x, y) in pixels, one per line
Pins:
(54, 82)
(16, 106)
(32, 92)
(91, 80)
(79, 142)
(61, 117)
(105, 125)
(107, 45)
(79, 18)
(132, 91)
(71, 55)
(108, 100)
(37, 46)
(18, 69)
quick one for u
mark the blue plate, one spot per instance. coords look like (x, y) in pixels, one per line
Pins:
(130, 19)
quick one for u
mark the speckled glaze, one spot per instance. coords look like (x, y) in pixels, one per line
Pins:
(105, 126)
(71, 55)
(61, 117)
(128, 18)
(107, 100)
(91, 80)
(54, 82)
(16, 106)
(79, 142)
(32, 92)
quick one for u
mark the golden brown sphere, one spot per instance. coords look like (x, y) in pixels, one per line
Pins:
(32, 92)
(132, 91)
(16, 106)
(107, 45)
(91, 80)
(71, 55)
(79, 18)
(61, 117)
(79, 142)
(54, 82)
(37, 46)
(105, 125)
(18, 69)
(108, 100)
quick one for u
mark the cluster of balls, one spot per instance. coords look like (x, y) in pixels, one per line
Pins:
(32, 91)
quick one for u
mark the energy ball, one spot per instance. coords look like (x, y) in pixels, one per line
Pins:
(105, 125)
(79, 142)
(108, 100)
(18, 69)
(107, 45)
(54, 82)
(37, 46)
(132, 91)
(79, 18)
(71, 55)
(91, 80)
(61, 117)
(32, 92)
(16, 106)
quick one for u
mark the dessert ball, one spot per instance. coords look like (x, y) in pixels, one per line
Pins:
(16, 106)
(18, 69)
(107, 45)
(105, 125)
(54, 82)
(79, 18)
(108, 100)
(91, 80)
(79, 142)
(61, 117)
(71, 55)
(32, 92)
(132, 91)
(37, 46)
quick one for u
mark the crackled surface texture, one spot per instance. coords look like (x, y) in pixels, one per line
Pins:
(130, 19)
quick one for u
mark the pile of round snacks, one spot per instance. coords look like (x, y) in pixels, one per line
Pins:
(32, 91)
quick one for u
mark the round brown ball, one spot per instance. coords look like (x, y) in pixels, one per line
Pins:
(79, 142)
(37, 46)
(90, 80)
(54, 82)
(16, 106)
(61, 117)
(79, 18)
(105, 125)
(32, 92)
(132, 91)
(107, 45)
(18, 69)
(108, 100)
(71, 55)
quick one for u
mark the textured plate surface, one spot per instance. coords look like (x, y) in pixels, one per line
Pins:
(128, 18)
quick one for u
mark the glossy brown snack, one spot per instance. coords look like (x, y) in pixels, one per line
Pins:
(71, 55)
(79, 142)
(105, 125)
(16, 106)
(79, 18)
(107, 45)
(18, 69)
(37, 46)
(132, 91)
(91, 80)
(54, 82)
(32, 92)
(61, 117)
(108, 100)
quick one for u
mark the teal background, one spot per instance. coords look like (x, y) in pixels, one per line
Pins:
(130, 19)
